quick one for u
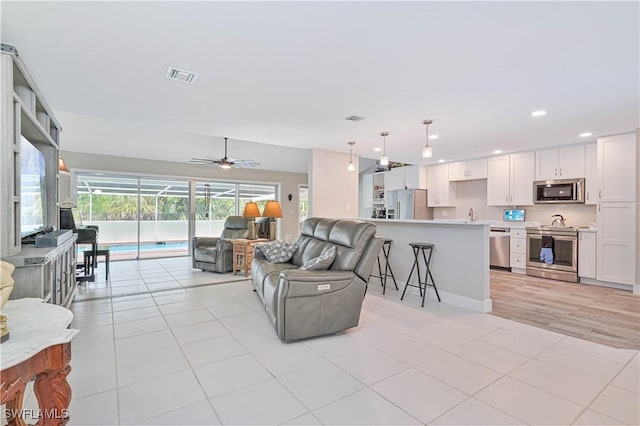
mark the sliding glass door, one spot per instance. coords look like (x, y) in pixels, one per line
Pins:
(144, 217)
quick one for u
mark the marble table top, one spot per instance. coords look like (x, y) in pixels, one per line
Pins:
(33, 326)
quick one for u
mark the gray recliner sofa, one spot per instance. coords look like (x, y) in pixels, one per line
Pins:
(308, 303)
(216, 253)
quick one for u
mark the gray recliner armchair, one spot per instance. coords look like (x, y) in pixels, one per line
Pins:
(308, 303)
(216, 253)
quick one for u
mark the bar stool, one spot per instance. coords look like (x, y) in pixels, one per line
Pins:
(90, 263)
(421, 248)
(388, 272)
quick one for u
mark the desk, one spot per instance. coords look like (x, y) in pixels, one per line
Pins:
(39, 346)
(243, 254)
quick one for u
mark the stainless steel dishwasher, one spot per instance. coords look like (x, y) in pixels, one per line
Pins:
(499, 248)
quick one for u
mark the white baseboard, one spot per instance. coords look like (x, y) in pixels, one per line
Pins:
(591, 281)
(464, 302)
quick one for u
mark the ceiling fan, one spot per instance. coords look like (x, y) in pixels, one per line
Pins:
(225, 162)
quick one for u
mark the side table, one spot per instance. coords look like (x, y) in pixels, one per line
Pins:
(39, 346)
(243, 254)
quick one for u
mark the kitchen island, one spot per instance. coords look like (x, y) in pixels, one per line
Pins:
(460, 262)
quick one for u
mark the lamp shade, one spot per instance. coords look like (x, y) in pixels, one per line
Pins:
(61, 166)
(251, 210)
(272, 209)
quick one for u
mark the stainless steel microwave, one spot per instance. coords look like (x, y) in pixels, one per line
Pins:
(558, 191)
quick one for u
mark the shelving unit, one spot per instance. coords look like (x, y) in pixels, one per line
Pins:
(47, 273)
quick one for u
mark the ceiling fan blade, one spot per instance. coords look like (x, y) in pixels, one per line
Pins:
(225, 161)
(246, 163)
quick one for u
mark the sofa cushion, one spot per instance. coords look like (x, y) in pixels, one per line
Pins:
(278, 251)
(323, 261)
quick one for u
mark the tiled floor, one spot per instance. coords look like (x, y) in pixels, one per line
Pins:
(208, 355)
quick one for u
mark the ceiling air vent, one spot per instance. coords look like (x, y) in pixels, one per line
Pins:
(354, 118)
(182, 75)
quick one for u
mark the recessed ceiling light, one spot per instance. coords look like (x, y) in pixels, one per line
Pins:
(539, 113)
(377, 149)
(497, 151)
(433, 136)
(354, 118)
(98, 191)
(441, 160)
(585, 134)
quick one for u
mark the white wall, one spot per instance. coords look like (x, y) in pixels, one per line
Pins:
(288, 182)
(333, 190)
(473, 194)
(636, 288)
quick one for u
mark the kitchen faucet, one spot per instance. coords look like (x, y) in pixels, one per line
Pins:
(471, 215)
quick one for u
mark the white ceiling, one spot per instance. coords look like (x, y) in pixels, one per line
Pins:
(286, 74)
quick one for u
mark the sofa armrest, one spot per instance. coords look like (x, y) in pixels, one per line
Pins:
(205, 241)
(224, 244)
(296, 283)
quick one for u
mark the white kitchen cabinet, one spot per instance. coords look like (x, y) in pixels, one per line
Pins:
(617, 168)
(587, 254)
(415, 177)
(616, 245)
(521, 179)
(408, 177)
(518, 250)
(498, 181)
(393, 179)
(441, 192)
(591, 174)
(468, 170)
(561, 163)
(367, 189)
(510, 180)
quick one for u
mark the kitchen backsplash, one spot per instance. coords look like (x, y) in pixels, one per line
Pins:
(473, 195)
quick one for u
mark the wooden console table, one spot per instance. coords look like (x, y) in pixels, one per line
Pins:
(243, 254)
(39, 346)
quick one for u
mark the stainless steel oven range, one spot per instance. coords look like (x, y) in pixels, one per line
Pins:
(563, 242)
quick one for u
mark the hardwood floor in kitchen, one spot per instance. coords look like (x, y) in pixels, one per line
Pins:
(598, 314)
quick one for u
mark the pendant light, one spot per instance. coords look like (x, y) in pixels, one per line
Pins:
(427, 152)
(384, 160)
(351, 167)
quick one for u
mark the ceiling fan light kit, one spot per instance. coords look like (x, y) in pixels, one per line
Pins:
(225, 162)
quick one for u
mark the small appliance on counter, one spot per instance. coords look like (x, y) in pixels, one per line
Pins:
(513, 215)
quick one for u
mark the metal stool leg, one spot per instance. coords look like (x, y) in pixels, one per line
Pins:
(427, 262)
(390, 271)
(415, 263)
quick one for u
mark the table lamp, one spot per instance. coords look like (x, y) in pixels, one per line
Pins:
(251, 211)
(272, 210)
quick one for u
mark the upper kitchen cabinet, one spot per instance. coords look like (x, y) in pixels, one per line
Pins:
(408, 177)
(616, 160)
(591, 174)
(561, 163)
(468, 170)
(510, 180)
(441, 192)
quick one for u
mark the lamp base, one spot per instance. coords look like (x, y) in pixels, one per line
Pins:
(252, 230)
(272, 230)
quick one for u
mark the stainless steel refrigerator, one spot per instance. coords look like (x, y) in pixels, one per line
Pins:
(408, 204)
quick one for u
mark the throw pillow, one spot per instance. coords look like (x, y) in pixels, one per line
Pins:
(278, 251)
(324, 261)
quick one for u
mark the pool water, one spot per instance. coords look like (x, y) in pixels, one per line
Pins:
(117, 248)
